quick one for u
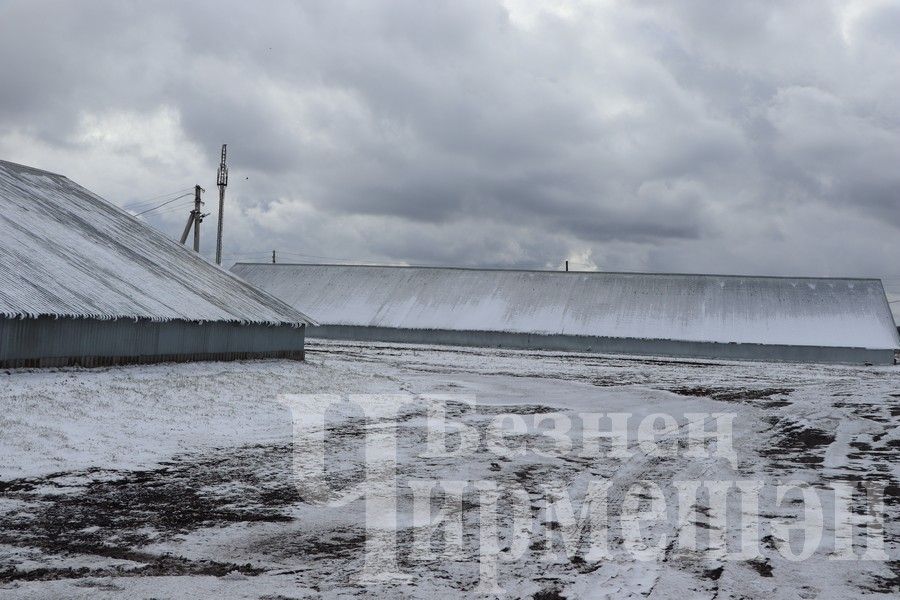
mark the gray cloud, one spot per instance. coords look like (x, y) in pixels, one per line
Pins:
(689, 136)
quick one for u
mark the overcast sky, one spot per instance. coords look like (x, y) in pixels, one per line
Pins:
(691, 136)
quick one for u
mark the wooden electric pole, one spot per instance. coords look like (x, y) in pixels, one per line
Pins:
(187, 228)
(194, 219)
(221, 181)
(198, 217)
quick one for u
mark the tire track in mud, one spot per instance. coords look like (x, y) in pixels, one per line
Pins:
(113, 515)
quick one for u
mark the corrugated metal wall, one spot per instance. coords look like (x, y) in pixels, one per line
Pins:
(46, 342)
(607, 345)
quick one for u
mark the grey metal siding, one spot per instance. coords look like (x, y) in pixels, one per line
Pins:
(46, 341)
(603, 345)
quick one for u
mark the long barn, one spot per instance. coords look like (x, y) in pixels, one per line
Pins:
(85, 283)
(711, 316)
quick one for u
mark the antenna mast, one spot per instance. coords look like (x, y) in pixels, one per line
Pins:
(221, 181)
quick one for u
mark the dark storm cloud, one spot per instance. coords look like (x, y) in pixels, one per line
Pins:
(696, 135)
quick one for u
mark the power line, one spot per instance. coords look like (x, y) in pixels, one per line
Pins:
(138, 204)
(184, 201)
(174, 207)
(163, 204)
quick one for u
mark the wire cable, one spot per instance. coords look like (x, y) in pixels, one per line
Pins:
(139, 204)
(163, 204)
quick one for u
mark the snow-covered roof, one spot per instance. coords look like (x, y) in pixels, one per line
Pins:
(893, 296)
(66, 252)
(709, 308)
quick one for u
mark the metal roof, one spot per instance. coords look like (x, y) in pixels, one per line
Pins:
(66, 252)
(837, 312)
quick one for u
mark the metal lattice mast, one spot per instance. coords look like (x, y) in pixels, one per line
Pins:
(221, 181)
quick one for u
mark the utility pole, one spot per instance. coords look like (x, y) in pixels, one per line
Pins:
(198, 217)
(187, 227)
(221, 181)
(194, 219)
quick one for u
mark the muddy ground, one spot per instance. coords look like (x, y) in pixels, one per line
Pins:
(214, 519)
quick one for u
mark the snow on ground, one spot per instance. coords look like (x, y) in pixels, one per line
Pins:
(55, 421)
(175, 481)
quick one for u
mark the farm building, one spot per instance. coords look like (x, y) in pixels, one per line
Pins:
(712, 316)
(893, 296)
(83, 282)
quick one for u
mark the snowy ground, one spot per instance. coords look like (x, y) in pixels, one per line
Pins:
(177, 481)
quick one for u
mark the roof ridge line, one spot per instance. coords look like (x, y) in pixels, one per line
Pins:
(514, 270)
